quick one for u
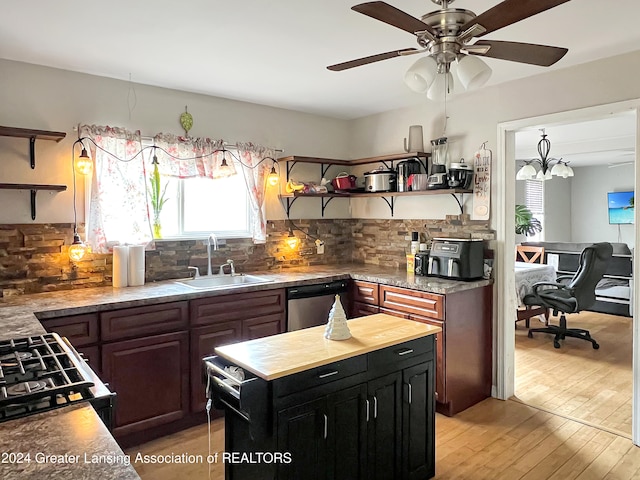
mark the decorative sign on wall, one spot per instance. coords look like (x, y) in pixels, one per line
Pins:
(482, 183)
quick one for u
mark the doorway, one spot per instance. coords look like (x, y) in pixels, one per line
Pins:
(505, 203)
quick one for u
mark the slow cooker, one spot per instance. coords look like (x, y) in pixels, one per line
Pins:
(460, 175)
(380, 180)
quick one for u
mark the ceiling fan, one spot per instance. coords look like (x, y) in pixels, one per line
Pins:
(445, 35)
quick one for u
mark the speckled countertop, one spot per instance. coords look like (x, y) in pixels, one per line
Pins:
(62, 443)
(78, 429)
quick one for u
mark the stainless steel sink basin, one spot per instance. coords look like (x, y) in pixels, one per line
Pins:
(223, 281)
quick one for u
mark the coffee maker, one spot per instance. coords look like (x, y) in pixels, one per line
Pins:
(404, 170)
(456, 258)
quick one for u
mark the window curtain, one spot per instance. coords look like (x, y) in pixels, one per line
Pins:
(255, 172)
(118, 202)
(200, 159)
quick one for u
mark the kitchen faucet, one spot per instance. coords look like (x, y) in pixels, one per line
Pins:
(211, 237)
(231, 267)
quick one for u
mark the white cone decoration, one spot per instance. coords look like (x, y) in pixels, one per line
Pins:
(337, 328)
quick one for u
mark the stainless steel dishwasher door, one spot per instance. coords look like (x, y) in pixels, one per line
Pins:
(309, 305)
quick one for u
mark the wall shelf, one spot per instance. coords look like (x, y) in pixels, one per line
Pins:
(33, 189)
(386, 160)
(32, 135)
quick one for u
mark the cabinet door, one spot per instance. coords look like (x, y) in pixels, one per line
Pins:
(151, 378)
(263, 326)
(441, 368)
(418, 422)
(364, 292)
(92, 356)
(384, 427)
(359, 309)
(79, 329)
(347, 433)
(204, 340)
(302, 431)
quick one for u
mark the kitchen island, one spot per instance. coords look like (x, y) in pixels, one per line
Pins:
(304, 406)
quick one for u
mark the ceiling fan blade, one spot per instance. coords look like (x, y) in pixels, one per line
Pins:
(388, 14)
(533, 54)
(371, 59)
(510, 11)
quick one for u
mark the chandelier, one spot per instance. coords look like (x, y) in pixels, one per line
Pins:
(549, 167)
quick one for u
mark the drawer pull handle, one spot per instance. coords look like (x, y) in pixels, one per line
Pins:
(367, 402)
(375, 407)
(326, 421)
(328, 374)
(406, 352)
(409, 385)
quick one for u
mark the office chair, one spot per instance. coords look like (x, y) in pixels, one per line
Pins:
(578, 294)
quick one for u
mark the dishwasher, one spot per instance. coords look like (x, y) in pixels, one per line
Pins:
(309, 305)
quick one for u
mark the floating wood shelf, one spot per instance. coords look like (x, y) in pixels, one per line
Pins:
(33, 188)
(32, 135)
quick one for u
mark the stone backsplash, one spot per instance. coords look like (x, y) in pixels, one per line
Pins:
(33, 257)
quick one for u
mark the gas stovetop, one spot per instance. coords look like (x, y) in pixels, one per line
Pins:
(40, 373)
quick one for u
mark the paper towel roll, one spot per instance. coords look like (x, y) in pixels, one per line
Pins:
(136, 265)
(120, 266)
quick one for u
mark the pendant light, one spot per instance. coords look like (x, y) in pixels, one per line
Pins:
(292, 240)
(83, 164)
(78, 249)
(273, 178)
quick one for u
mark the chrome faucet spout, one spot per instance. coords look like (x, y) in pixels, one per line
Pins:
(212, 237)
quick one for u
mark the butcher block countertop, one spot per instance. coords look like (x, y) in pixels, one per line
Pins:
(280, 355)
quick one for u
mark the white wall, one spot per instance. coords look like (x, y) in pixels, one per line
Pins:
(49, 99)
(589, 213)
(558, 213)
(474, 118)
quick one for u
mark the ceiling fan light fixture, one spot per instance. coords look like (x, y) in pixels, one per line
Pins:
(442, 85)
(472, 72)
(421, 75)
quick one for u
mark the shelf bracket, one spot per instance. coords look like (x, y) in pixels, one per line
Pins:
(32, 156)
(33, 204)
(325, 203)
(289, 168)
(390, 202)
(459, 201)
(324, 168)
(290, 202)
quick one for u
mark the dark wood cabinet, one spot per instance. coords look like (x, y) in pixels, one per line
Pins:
(142, 321)
(373, 419)
(463, 347)
(263, 326)
(151, 377)
(239, 306)
(204, 340)
(81, 330)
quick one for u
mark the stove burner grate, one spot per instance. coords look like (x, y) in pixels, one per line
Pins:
(25, 388)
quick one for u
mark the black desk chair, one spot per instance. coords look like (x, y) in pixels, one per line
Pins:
(578, 294)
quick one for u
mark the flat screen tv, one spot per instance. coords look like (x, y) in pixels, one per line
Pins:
(620, 207)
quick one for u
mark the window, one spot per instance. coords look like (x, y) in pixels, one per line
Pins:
(196, 207)
(534, 200)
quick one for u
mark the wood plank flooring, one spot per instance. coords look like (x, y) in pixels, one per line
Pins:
(592, 386)
(497, 440)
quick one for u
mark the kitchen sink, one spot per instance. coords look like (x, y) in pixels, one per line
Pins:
(223, 281)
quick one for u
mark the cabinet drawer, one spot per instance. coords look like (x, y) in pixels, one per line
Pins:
(365, 292)
(363, 309)
(79, 329)
(391, 357)
(143, 321)
(319, 376)
(412, 301)
(239, 306)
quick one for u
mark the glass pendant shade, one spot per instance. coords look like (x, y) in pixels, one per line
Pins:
(292, 240)
(421, 75)
(558, 169)
(569, 171)
(83, 164)
(443, 84)
(527, 172)
(272, 178)
(472, 72)
(77, 250)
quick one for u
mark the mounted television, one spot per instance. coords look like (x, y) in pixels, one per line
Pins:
(620, 207)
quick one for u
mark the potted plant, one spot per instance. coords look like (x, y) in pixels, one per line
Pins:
(526, 224)
(157, 200)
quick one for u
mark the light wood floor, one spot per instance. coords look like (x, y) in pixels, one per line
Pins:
(593, 386)
(494, 440)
